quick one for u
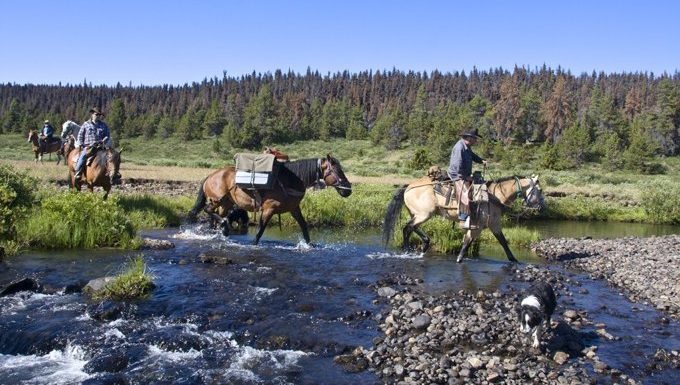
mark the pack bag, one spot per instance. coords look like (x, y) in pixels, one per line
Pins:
(255, 171)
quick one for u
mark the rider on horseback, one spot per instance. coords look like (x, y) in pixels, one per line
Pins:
(47, 135)
(460, 172)
(92, 131)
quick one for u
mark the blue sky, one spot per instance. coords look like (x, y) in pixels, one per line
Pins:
(175, 42)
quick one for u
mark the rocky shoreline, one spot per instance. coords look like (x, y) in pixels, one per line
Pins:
(474, 338)
(647, 270)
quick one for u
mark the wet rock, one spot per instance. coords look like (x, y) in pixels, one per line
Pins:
(216, 259)
(96, 285)
(156, 244)
(561, 358)
(386, 292)
(107, 379)
(110, 361)
(354, 362)
(74, 288)
(24, 284)
(107, 310)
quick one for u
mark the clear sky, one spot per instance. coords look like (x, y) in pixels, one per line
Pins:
(176, 42)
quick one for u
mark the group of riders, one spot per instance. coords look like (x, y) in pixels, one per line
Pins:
(459, 172)
(93, 131)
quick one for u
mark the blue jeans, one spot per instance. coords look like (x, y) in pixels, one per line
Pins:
(81, 161)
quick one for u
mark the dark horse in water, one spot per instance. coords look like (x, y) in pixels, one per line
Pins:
(422, 203)
(219, 192)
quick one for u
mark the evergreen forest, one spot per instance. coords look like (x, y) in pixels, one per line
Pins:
(622, 120)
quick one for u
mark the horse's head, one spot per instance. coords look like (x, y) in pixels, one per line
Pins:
(113, 165)
(32, 137)
(69, 127)
(533, 195)
(334, 176)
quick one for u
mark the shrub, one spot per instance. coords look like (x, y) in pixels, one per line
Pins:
(134, 282)
(421, 160)
(661, 202)
(78, 220)
(16, 197)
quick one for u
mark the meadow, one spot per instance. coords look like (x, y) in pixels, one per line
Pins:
(590, 193)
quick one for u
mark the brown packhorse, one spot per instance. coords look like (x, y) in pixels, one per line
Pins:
(40, 149)
(422, 203)
(219, 191)
(104, 171)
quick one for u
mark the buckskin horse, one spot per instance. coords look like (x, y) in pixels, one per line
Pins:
(219, 190)
(39, 149)
(422, 203)
(102, 171)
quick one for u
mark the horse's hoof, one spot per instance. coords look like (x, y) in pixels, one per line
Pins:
(459, 259)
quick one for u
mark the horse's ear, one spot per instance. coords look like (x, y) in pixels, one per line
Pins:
(329, 157)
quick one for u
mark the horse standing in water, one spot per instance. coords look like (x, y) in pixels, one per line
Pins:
(219, 191)
(103, 170)
(39, 149)
(422, 203)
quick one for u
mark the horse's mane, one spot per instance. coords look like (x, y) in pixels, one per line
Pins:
(504, 179)
(305, 169)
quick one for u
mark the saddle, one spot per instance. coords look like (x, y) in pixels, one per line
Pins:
(92, 151)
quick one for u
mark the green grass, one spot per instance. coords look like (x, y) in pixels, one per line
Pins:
(133, 283)
(147, 211)
(71, 220)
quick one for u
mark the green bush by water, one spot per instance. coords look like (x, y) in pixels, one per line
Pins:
(661, 202)
(16, 198)
(78, 220)
(134, 282)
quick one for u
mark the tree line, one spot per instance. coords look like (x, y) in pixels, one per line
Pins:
(597, 116)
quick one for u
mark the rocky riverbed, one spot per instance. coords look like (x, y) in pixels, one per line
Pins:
(474, 338)
(646, 269)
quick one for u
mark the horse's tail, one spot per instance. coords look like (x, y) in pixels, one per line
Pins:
(200, 203)
(392, 214)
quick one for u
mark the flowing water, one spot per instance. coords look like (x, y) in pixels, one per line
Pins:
(275, 313)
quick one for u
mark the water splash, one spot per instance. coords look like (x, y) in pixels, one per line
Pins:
(383, 255)
(56, 367)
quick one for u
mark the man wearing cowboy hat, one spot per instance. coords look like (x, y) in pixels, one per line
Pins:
(91, 132)
(47, 134)
(460, 172)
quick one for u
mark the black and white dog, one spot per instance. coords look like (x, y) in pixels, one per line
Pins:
(537, 306)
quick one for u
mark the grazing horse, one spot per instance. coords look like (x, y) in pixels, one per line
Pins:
(422, 203)
(103, 171)
(40, 149)
(220, 192)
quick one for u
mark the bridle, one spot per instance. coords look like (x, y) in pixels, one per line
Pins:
(330, 171)
(531, 191)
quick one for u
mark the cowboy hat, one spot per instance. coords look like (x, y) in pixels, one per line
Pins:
(47, 121)
(96, 110)
(473, 134)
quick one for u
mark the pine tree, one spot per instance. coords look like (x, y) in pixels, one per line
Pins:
(12, 122)
(115, 119)
(557, 110)
(507, 112)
